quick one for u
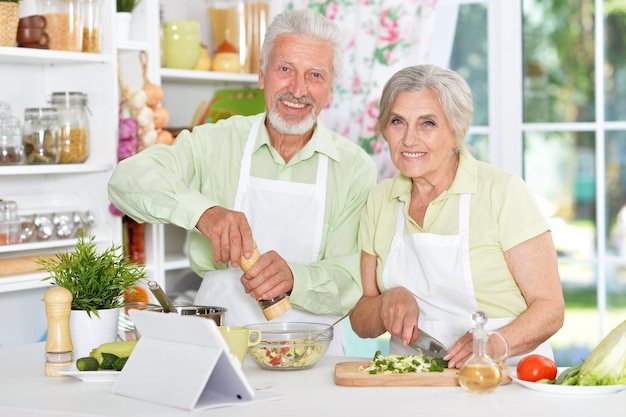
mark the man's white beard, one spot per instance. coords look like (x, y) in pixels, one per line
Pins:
(285, 127)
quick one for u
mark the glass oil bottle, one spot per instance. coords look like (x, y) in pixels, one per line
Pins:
(481, 373)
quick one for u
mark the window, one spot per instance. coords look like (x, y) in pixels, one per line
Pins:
(550, 103)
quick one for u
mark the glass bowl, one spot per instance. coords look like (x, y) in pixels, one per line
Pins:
(290, 346)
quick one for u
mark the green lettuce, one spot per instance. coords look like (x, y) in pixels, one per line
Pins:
(606, 365)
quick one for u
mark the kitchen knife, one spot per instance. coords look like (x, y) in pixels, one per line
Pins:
(429, 346)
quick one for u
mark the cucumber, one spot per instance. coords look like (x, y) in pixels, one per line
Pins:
(119, 363)
(87, 364)
(107, 360)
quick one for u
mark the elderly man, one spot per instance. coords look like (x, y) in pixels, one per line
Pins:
(280, 179)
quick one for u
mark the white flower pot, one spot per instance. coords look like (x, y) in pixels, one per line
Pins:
(90, 332)
(123, 21)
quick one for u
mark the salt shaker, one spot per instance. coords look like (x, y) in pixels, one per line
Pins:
(59, 341)
(273, 307)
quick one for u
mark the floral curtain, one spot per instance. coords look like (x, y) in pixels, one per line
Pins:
(381, 36)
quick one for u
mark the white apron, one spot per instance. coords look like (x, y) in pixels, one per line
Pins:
(284, 216)
(436, 269)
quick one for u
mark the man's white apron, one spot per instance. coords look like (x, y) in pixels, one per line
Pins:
(286, 217)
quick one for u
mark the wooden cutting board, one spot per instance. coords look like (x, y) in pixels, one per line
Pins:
(348, 374)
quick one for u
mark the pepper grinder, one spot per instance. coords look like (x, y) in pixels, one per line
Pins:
(59, 341)
(273, 307)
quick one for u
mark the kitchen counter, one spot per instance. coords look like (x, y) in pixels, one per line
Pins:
(26, 392)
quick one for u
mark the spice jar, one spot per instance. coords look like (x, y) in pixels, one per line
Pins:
(42, 137)
(74, 125)
(9, 223)
(11, 150)
(64, 23)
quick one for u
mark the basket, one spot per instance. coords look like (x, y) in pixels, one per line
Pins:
(9, 19)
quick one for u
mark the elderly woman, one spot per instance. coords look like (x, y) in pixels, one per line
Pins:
(451, 235)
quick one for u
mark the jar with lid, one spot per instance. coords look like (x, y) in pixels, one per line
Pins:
(11, 150)
(64, 23)
(42, 137)
(9, 223)
(74, 125)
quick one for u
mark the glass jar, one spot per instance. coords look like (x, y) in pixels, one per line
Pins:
(11, 150)
(91, 25)
(74, 124)
(42, 136)
(242, 24)
(9, 223)
(64, 23)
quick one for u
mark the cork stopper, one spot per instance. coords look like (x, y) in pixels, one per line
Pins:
(276, 309)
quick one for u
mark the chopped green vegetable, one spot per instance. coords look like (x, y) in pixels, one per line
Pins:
(401, 364)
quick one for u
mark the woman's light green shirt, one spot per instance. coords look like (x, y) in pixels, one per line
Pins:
(503, 214)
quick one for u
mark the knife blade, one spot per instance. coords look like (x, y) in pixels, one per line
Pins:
(429, 346)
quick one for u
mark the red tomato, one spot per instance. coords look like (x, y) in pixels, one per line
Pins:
(535, 367)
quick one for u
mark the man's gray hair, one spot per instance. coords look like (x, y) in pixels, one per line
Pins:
(309, 23)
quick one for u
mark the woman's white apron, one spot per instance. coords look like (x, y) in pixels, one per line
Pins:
(436, 270)
(286, 217)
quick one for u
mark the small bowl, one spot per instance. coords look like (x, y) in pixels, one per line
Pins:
(290, 346)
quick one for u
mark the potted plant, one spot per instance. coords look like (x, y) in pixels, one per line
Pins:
(97, 281)
(9, 19)
(127, 5)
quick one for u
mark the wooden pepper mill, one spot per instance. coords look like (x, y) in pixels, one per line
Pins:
(273, 307)
(59, 341)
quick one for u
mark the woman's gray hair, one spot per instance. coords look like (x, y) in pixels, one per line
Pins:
(309, 23)
(452, 91)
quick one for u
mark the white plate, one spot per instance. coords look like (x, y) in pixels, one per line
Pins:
(569, 389)
(92, 376)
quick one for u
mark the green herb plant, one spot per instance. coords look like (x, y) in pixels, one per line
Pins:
(96, 280)
(127, 5)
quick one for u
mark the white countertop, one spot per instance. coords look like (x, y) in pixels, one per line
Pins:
(26, 392)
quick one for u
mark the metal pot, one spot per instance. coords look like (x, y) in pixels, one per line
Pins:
(210, 312)
(130, 332)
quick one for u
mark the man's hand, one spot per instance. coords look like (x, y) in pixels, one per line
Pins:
(400, 314)
(269, 277)
(229, 232)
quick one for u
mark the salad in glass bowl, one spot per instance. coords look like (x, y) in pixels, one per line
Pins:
(290, 346)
